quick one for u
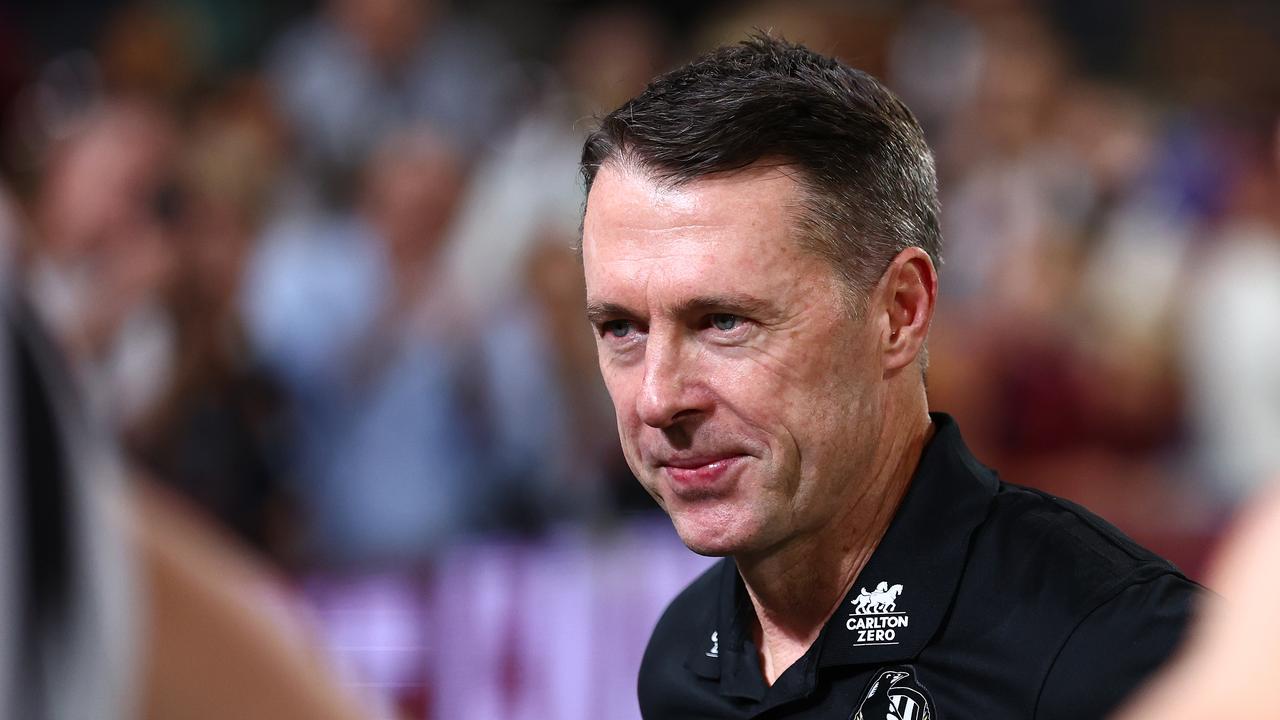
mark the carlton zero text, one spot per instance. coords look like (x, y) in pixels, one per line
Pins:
(876, 628)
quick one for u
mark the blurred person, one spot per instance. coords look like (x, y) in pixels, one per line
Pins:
(103, 255)
(215, 431)
(1012, 185)
(1230, 339)
(1105, 247)
(760, 244)
(1061, 172)
(1010, 194)
(1137, 240)
(66, 581)
(114, 602)
(360, 69)
(526, 187)
(356, 318)
(935, 61)
(509, 258)
(1058, 356)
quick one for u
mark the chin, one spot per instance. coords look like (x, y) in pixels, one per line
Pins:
(706, 536)
(708, 549)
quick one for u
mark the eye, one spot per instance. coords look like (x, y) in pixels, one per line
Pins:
(725, 322)
(617, 328)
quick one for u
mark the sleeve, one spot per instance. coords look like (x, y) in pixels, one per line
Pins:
(1116, 647)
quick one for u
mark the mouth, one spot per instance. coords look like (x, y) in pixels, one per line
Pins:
(701, 475)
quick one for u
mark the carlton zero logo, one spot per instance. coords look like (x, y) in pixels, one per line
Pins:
(875, 618)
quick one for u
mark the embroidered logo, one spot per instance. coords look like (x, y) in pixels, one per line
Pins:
(895, 694)
(875, 618)
(884, 599)
(714, 652)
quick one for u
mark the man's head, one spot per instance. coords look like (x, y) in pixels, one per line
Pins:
(759, 245)
(867, 177)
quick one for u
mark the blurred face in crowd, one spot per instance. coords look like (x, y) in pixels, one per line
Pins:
(412, 188)
(388, 30)
(746, 391)
(99, 194)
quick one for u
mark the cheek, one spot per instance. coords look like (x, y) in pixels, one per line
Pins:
(842, 406)
(804, 398)
(759, 401)
(623, 383)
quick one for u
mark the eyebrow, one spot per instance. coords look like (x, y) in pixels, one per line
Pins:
(733, 304)
(600, 311)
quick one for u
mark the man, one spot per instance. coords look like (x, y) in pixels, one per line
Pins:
(760, 243)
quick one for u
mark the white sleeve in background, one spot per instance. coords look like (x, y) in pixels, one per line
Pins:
(82, 662)
(1232, 347)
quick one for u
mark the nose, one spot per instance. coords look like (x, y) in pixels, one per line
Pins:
(668, 393)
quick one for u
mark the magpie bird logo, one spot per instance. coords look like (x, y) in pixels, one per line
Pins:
(895, 694)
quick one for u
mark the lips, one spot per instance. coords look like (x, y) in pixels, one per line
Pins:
(703, 473)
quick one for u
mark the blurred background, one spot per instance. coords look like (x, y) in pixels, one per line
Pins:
(310, 262)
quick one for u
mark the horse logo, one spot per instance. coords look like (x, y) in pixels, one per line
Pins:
(883, 600)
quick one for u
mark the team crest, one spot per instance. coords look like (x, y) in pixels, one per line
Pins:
(895, 694)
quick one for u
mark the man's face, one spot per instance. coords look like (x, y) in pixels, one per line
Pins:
(747, 395)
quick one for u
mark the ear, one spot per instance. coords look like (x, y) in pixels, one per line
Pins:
(907, 296)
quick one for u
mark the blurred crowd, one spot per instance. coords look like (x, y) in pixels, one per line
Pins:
(313, 261)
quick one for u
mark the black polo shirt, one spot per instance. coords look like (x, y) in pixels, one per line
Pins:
(983, 600)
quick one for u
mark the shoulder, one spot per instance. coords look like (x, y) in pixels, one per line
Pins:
(1104, 611)
(689, 619)
(1117, 646)
(1055, 544)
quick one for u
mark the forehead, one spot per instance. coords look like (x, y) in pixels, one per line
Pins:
(736, 228)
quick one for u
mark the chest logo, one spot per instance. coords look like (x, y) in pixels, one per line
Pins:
(895, 694)
(884, 599)
(714, 652)
(875, 617)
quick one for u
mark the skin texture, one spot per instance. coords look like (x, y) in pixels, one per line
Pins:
(769, 421)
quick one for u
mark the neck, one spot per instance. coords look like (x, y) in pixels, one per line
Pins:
(796, 588)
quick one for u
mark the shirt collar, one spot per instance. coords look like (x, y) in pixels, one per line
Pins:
(900, 598)
(910, 579)
(730, 654)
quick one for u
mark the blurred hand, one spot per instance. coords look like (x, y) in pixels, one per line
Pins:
(221, 641)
